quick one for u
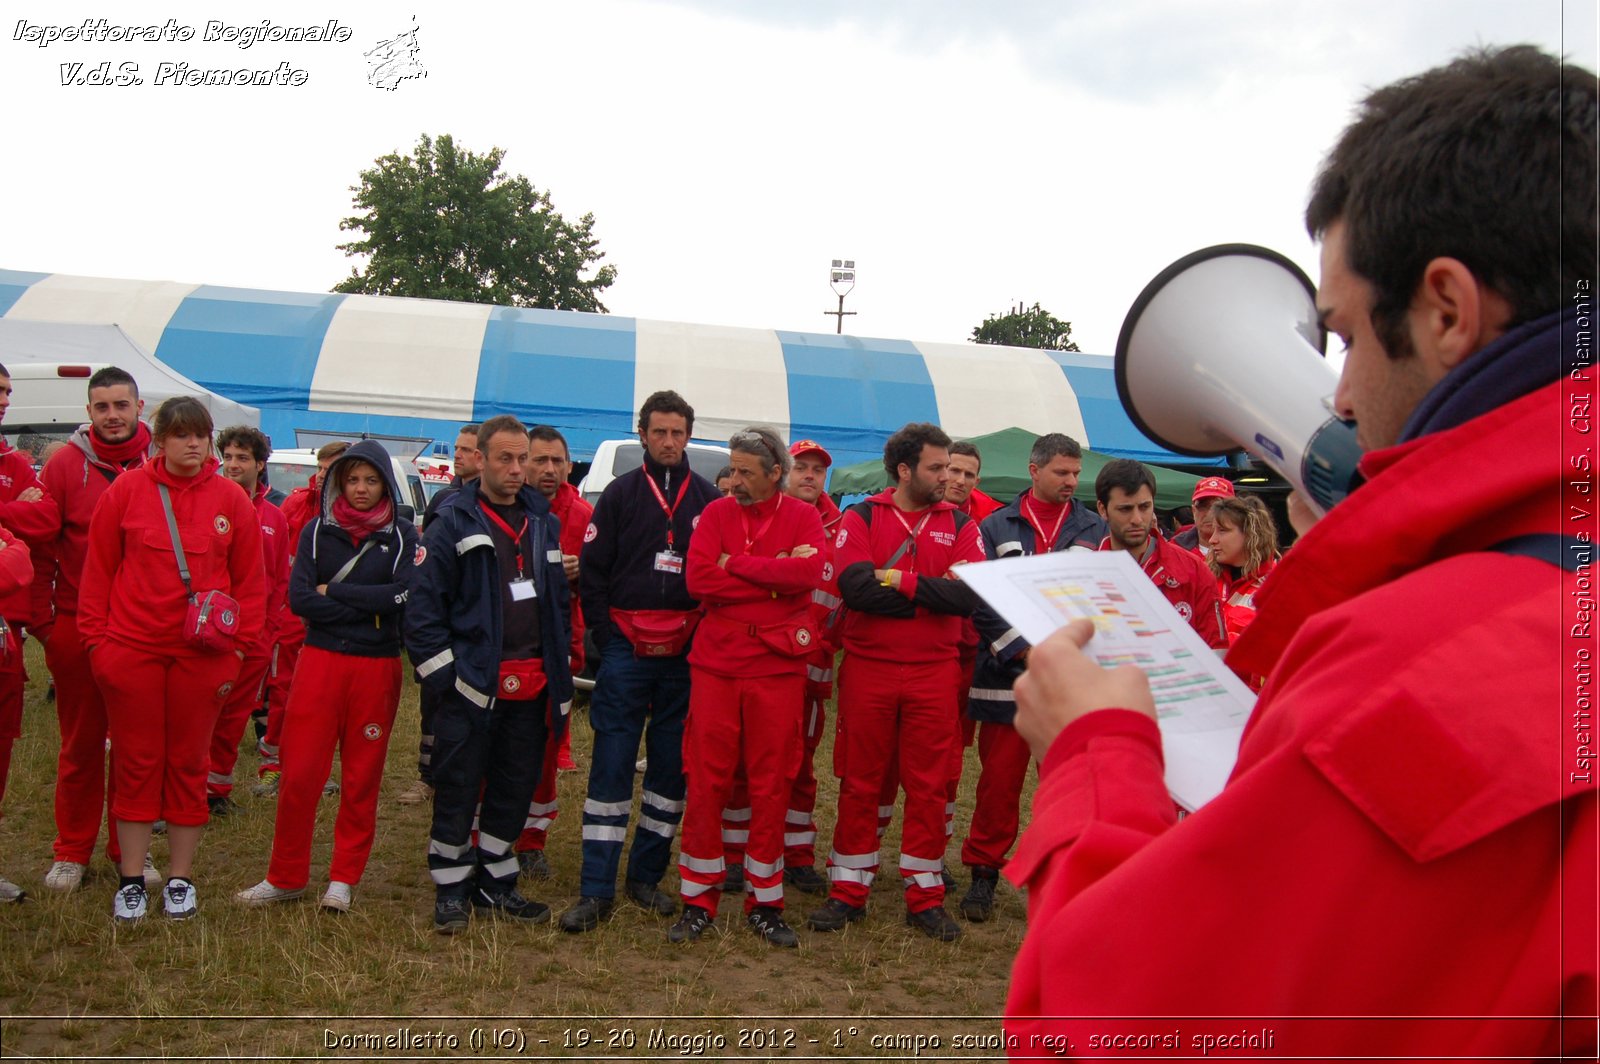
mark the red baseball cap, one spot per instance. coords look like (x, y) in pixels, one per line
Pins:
(1213, 488)
(800, 447)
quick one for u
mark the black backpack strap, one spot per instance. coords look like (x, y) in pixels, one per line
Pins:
(1564, 552)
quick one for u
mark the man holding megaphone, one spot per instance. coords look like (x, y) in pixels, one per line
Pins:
(1404, 860)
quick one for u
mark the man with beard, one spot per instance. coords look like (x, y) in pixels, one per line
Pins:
(114, 441)
(897, 689)
(753, 564)
(1126, 492)
(549, 465)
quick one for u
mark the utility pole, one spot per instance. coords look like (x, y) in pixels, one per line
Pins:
(842, 273)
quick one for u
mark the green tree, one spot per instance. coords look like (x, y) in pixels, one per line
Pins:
(447, 224)
(1026, 327)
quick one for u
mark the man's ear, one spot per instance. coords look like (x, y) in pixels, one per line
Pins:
(1453, 314)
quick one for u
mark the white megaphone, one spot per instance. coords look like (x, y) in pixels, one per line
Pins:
(1223, 351)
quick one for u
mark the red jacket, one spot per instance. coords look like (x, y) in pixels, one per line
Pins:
(131, 590)
(573, 511)
(1411, 831)
(760, 585)
(74, 479)
(921, 620)
(300, 509)
(35, 523)
(275, 551)
(980, 504)
(1187, 582)
(827, 608)
(16, 571)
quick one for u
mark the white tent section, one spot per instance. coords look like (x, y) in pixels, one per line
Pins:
(40, 398)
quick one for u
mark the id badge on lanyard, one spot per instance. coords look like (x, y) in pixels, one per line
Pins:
(669, 560)
(522, 590)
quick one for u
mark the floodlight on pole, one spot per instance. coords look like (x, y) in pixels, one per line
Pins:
(841, 278)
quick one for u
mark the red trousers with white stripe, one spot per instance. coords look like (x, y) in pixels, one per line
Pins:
(13, 678)
(162, 709)
(235, 713)
(83, 793)
(1005, 757)
(966, 729)
(756, 721)
(543, 810)
(344, 701)
(900, 715)
(280, 681)
(799, 825)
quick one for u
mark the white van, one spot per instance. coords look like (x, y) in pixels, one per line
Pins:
(612, 458)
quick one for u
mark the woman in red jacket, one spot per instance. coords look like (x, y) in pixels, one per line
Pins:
(1244, 549)
(163, 690)
(16, 574)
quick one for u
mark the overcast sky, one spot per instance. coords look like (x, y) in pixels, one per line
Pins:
(967, 156)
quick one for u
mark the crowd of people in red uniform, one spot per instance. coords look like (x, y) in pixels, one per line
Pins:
(777, 579)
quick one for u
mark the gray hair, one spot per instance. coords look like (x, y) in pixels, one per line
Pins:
(765, 444)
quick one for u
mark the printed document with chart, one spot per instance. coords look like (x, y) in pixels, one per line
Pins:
(1200, 704)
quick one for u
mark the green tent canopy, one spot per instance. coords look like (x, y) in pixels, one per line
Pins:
(1005, 472)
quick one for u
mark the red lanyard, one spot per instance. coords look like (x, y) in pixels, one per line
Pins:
(749, 539)
(1043, 545)
(662, 499)
(912, 533)
(516, 536)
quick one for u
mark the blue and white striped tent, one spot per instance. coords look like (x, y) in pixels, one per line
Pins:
(348, 364)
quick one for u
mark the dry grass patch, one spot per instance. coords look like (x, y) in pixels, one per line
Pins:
(248, 968)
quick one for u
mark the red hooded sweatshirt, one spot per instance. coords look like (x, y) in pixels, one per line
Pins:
(131, 590)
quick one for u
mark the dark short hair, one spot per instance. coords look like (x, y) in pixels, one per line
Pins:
(1122, 473)
(763, 443)
(905, 446)
(181, 413)
(498, 424)
(1054, 445)
(667, 402)
(110, 377)
(725, 471)
(469, 430)
(1490, 160)
(329, 451)
(4, 372)
(968, 448)
(550, 434)
(250, 439)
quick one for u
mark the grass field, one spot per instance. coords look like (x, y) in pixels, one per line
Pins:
(290, 980)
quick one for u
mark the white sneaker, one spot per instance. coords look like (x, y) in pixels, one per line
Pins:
(337, 897)
(10, 892)
(152, 874)
(264, 893)
(179, 899)
(128, 904)
(65, 876)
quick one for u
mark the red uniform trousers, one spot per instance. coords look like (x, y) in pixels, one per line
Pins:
(83, 792)
(1004, 756)
(901, 715)
(347, 701)
(162, 709)
(754, 721)
(544, 809)
(13, 677)
(967, 728)
(799, 828)
(246, 696)
(280, 679)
